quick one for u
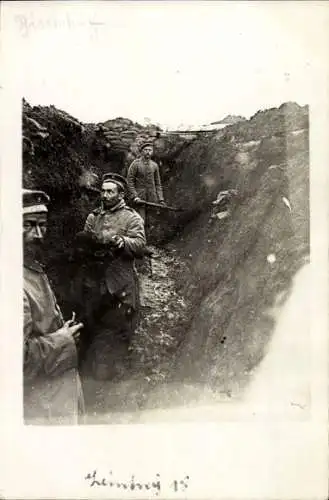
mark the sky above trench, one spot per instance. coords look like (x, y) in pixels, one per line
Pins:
(175, 64)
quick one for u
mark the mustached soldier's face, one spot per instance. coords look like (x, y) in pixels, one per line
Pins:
(147, 152)
(34, 231)
(111, 194)
(34, 227)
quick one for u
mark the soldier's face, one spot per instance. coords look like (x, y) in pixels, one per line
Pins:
(147, 152)
(111, 194)
(34, 230)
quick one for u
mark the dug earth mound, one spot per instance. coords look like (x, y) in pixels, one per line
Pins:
(221, 266)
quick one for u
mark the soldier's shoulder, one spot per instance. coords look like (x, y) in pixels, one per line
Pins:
(132, 212)
(130, 209)
(135, 162)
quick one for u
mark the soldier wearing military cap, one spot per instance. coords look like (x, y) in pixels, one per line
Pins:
(117, 179)
(144, 180)
(118, 232)
(52, 387)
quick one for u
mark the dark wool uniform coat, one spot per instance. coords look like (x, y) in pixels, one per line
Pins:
(52, 387)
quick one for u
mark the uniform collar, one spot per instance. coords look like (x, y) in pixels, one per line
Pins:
(34, 265)
(116, 207)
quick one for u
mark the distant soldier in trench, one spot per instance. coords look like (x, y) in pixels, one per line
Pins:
(144, 181)
(144, 184)
(113, 237)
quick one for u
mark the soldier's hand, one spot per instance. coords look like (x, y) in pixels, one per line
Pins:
(138, 201)
(73, 328)
(118, 241)
(162, 202)
(71, 321)
(75, 331)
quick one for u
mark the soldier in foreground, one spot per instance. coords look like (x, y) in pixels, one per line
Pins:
(52, 387)
(113, 236)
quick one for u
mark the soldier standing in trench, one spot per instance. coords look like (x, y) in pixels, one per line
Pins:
(144, 184)
(52, 387)
(117, 231)
(144, 181)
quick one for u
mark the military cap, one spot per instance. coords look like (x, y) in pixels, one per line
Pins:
(145, 145)
(34, 201)
(116, 178)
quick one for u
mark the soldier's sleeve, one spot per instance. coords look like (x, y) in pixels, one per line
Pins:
(51, 355)
(131, 179)
(158, 184)
(134, 237)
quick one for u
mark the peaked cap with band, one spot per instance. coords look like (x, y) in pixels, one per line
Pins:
(116, 178)
(146, 145)
(35, 201)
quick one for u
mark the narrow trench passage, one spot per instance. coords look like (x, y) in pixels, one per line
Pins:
(206, 316)
(146, 392)
(164, 315)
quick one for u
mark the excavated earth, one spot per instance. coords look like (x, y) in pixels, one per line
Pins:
(224, 273)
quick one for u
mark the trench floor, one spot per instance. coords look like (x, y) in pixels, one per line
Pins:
(163, 316)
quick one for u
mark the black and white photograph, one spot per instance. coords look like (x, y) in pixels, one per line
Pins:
(164, 227)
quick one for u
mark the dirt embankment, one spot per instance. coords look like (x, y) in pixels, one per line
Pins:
(209, 320)
(238, 265)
